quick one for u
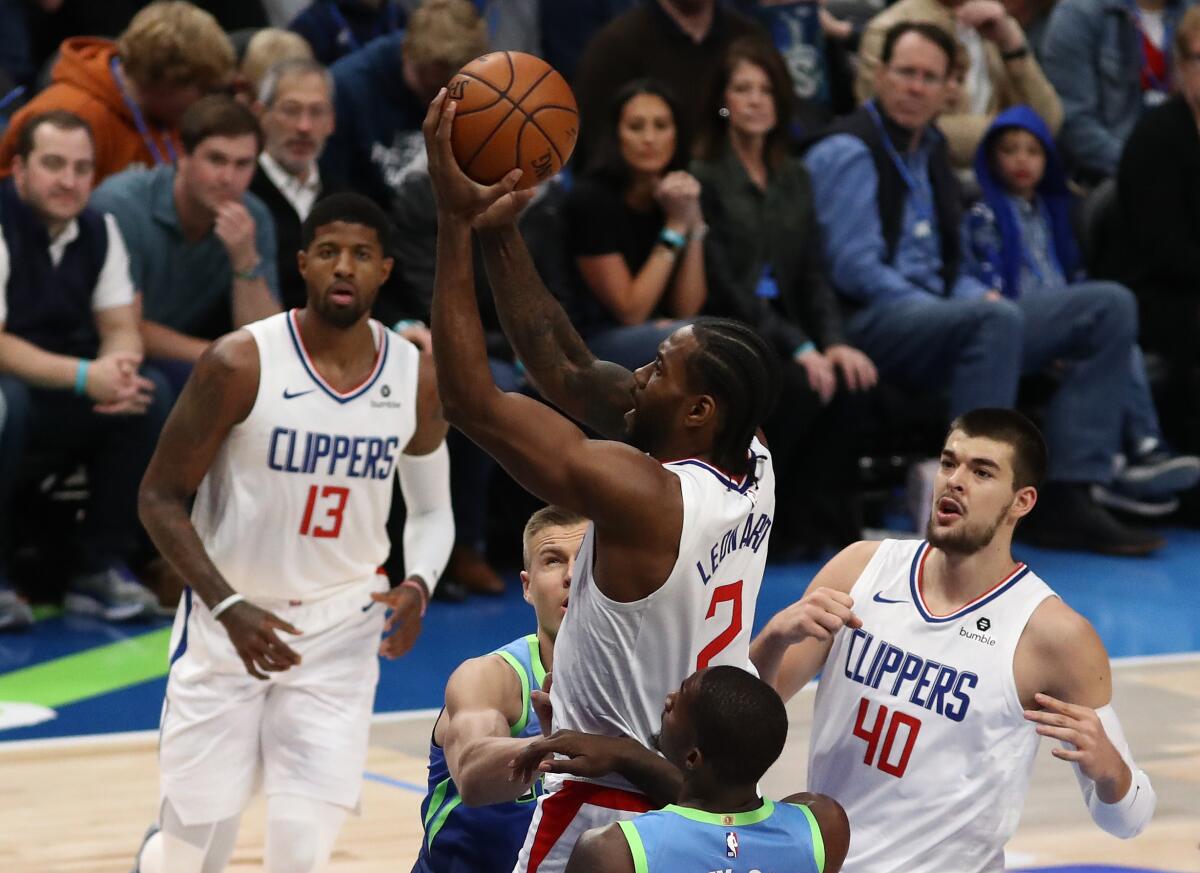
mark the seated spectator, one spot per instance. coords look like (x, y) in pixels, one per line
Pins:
(670, 41)
(634, 228)
(383, 90)
(1001, 71)
(472, 470)
(133, 92)
(1108, 60)
(888, 203)
(336, 28)
(514, 25)
(1158, 247)
(295, 109)
(765, 268)
(71, 381)
(268, 47)
(567, 28)
(1022, 245)
(201, 247)
(814, 45)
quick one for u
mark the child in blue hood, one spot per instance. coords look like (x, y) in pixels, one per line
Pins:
(1018, 241)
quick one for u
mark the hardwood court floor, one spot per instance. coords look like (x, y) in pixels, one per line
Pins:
(81, 806)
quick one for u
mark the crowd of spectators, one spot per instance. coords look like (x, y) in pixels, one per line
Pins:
(949, 203)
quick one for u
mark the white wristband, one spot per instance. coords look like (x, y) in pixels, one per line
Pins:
(225, 604)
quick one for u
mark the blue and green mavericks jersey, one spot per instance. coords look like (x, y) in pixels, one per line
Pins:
(775, 838)
(481, 839)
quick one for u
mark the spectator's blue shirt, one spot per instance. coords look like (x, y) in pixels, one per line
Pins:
(335, 28)
(186, 286)
(795, 30)
(1091, 53)
(377, 141)
(845, 188)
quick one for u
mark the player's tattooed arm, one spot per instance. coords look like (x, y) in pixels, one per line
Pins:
(601, 850)
(560, 365)
(220, 394)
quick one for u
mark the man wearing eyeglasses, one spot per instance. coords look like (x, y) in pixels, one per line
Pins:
(295, 109)
(889, 208)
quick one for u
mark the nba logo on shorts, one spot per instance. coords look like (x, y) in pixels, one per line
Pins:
(731, 844)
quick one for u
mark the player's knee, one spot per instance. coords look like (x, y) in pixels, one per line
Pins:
(1001, 316)
(300, 834)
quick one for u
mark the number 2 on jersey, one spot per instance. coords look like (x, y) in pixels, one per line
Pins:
(872, 736)
(733, 593)
(333, 510)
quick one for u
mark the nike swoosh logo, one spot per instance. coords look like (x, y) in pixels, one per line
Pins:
(879, 599)
(289, 395)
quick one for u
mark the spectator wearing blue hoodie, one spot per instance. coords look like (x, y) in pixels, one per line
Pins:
(1019, 242)
(383, 90)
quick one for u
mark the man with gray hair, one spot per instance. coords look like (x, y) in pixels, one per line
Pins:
(295, 109)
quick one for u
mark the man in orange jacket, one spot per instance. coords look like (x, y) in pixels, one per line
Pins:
(132, 92)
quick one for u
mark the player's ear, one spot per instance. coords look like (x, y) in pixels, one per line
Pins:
(302, 261)
(693, 759)
(525, 585)
(388, 263)
(1024, 501)
(702, 410)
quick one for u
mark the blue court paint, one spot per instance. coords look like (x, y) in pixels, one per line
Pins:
(1140, 606)
(394, 783)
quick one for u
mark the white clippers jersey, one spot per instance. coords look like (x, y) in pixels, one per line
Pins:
(614, 663)
(295, 505)
(917, 730)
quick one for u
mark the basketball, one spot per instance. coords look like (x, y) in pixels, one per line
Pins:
(514, 110)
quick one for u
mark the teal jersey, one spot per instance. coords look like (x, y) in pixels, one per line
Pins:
(481, 839)
(775, 838)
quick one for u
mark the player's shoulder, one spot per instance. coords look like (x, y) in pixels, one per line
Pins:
(603, 848)
(832, 823)
(1056, 630)
(844, 568)
(233, 354)
(483, 681)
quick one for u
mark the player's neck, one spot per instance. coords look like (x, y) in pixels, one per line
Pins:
(338, 346)
(546, 649)
(950, 580)
(716, 797)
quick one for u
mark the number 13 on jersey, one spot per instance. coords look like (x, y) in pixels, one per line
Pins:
(332, 500)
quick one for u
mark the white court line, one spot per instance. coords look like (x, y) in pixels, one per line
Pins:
(400, 716)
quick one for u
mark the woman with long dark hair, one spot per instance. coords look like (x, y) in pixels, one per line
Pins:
(765, 267)
(634, 227)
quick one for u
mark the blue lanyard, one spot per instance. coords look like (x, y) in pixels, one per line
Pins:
(1156, 83)
(922, 205)
(346, 34)
(140, 122)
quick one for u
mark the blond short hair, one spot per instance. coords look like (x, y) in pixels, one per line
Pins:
(176, 43)
(547, 516)
(266, 49)
(449, 32)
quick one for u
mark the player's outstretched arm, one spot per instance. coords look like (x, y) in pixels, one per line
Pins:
(220, 394)
(626, 493)
(601, 850)
(483, 698)
(559, 364)
(792, 647)
(833, 824)
(1065, 680)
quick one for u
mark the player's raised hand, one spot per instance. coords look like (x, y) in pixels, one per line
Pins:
(405, 605)
(818, 615)
(1090, 747)
(252, 629)
(457, 194)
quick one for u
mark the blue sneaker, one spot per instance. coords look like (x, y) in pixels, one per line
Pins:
(15, 614)
(113, 594)
(1156, 474)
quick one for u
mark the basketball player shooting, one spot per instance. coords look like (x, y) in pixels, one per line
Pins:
(942, 664)
(680, 492)
(289, 434)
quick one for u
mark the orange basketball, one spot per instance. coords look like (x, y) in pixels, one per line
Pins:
(514, 110)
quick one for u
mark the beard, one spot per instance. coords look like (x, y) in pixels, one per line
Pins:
(643, 433)
(340, 316)
(966, 540)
